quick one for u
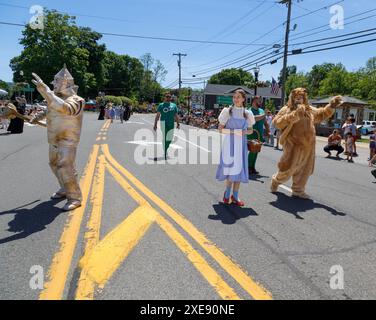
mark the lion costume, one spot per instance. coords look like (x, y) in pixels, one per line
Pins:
(296, 121)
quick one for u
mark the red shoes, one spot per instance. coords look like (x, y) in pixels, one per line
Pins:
(225, 200)
(237, 202)
(233, 201)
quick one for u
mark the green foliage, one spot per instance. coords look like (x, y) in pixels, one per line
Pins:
(330, 79)
(61, 41)
(233, 77)
(318, 73)
(289, 71)
(338, 81)
(93, 67)
(269, 105)
(296, 80)
(116, 100)
(4, 85)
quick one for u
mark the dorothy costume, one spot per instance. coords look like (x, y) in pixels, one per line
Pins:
(234, 156)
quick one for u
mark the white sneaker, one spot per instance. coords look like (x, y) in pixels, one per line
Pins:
(72, 205)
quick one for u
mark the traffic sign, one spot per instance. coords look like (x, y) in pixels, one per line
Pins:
(224, 100)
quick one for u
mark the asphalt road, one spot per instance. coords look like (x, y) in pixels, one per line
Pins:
(158, 230)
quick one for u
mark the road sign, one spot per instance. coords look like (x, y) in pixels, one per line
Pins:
(224, 100)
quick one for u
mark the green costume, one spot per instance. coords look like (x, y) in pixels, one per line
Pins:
(168, 112)
(259, 126)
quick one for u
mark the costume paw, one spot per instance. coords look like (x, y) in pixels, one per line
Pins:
(301, 195)
(72, 205)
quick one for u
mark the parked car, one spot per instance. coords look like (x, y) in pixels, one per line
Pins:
(368, 126)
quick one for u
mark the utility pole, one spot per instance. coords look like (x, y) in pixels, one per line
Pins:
(284, 70)
(179, 64)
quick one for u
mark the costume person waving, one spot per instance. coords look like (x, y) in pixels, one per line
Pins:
(64, 121)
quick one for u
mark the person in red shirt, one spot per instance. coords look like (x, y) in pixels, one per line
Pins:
(334, 144)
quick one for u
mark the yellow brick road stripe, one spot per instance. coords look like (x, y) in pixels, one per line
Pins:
(85, 289)
(248, 284)
(107, 256)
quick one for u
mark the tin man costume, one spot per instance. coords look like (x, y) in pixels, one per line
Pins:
(64, 121)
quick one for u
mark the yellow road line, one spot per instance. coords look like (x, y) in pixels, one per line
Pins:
(85, 289)
(233, 269)
(107, 256)
(103, 261)
(59, 269)
(211, 275)
(106, 125)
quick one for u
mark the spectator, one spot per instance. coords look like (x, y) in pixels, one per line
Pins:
(111, 113)
(372, 145)
(372, 162)
(270, 138)
(16, 125)
(350, 146)
(350, 126)
(334, 144)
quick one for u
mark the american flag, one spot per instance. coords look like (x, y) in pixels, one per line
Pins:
(275, 87)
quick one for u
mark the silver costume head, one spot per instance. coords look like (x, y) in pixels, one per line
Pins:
(64, 83)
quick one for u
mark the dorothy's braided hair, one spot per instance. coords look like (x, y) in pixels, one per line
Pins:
(244, 95)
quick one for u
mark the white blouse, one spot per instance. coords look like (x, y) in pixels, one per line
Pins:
(237, 113)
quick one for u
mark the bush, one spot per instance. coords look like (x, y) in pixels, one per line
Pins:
(117, 100)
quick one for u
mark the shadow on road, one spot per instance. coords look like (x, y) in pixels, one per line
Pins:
(335, 158)
(29, 221)
(229, 214)
(258, 178)
(296, 205)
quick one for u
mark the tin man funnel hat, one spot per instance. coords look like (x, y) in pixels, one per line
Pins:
(66, 78)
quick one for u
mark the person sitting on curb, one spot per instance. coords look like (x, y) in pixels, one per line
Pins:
(334, 144)
(371, 163)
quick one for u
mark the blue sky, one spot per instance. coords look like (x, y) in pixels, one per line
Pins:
(241, 21)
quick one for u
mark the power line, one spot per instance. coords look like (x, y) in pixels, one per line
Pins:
(157, 38)
(329, 29)
(318, 50)
(340, 46)
(262, 36)
(318, 45)
(177, 39)
(334, 37)
(257, 52)
(230, 26)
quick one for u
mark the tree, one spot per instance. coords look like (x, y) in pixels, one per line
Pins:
(159, 72)
(154, 72)
(148, 61)
(290, 70)
(61, 41)
(318, 73)
(296, 80)
(339, 81)
(371, 65)
(4, 85)
(270, 105)
(123, 74)
(233, 77)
